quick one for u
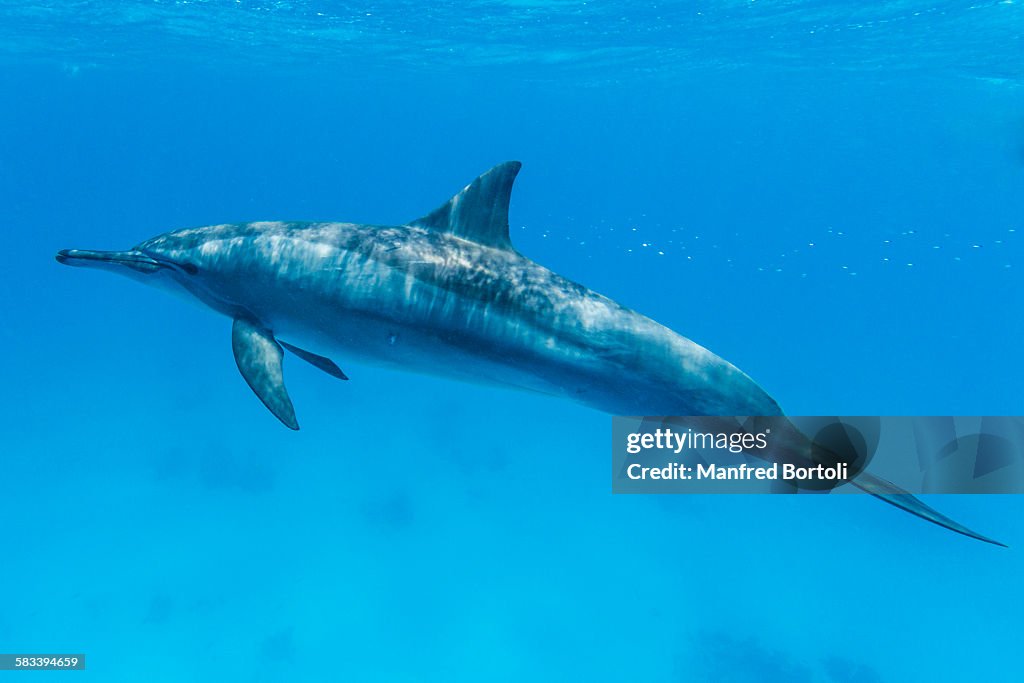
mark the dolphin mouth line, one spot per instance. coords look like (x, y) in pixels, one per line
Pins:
(133, 259)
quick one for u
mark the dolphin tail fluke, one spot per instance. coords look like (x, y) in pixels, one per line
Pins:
(894, 495)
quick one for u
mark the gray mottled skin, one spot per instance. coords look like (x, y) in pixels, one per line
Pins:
(446, 294)
(432, 302)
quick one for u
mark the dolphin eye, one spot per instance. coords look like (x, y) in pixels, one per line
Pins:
(189, 268)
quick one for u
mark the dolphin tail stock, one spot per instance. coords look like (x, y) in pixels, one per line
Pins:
(894, 495)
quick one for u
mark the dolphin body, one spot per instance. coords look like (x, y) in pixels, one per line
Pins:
(444, 294)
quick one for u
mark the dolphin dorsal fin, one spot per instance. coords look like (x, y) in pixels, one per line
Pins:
(480, 212)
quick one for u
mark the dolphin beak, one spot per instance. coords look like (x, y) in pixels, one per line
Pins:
(134, 259)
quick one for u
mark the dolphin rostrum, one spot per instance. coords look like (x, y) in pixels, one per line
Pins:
(445, 294)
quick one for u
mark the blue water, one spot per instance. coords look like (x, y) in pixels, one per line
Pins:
(828, 194)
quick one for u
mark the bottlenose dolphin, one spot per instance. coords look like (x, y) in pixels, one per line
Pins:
(446, 294)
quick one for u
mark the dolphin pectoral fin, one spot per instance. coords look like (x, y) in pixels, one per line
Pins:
(258, 356)
(325, 364)
(894, 495)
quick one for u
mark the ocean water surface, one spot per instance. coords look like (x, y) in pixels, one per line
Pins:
(827, 194)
